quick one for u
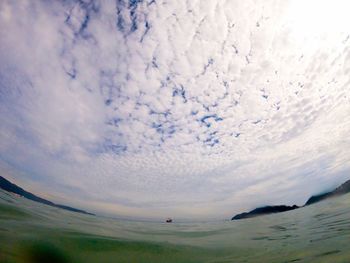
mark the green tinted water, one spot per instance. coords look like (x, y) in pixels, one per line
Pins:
(32, 232)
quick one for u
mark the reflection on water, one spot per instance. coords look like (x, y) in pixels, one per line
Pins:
(32, 232)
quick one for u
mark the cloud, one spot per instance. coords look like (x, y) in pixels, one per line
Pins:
(197, 108)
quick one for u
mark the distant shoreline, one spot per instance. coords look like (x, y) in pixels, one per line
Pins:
(260, 211)
(266, 210)
(13, 188)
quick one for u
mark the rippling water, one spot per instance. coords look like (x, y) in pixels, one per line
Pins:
(32, 232)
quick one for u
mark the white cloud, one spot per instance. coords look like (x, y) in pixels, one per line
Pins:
(173, 107)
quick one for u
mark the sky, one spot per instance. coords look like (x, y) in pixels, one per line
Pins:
(195, 109)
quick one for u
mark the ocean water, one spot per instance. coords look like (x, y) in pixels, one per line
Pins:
(31, 232)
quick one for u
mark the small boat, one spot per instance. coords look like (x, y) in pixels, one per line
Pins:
(169, 220)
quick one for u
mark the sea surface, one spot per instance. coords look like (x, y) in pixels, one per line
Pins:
(32, 232)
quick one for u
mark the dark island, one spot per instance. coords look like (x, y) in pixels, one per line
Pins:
(341, 190)
(265, 211)
(10, 187)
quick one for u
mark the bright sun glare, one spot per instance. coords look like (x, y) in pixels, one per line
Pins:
(313, 18)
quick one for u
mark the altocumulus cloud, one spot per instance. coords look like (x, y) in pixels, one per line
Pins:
(187, 108)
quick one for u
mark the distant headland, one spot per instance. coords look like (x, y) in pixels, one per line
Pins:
(260, 211)
(10, 187)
